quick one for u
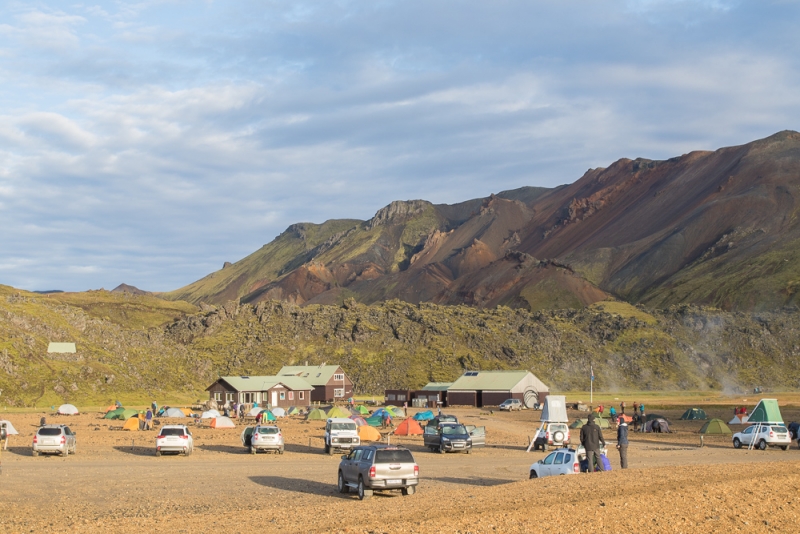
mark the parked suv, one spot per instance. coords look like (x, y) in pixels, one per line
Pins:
(768, 436)
(558, 462)
(511, 405)
(54, 439)
(447, 437)
(443, 418)
(378, 468)
(553, 435)
(174, 438)
(263, 438)
(340, 433)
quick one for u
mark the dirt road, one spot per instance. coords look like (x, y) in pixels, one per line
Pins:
(114, 485)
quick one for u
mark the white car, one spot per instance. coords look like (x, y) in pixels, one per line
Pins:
(558, 462)
(511, 405)
(174, 438)
(54, 439)
(768, 436)
(263, 438)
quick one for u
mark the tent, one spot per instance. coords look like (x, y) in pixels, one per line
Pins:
(375, 420)
(766, 412)
(380, 411)
(336, 411)
(316, 415)
(67, 409)
(293, 410)
(222, 422)
(555, 409)
(409, 427)
(626, 418)
(110, 408)
(396, 412)
(694, 414)
(9, 427)
(278, 412)
(358, 420)
(427, 415)
(174, 412)
(115, 414)
(738, 420)
(658, 425)
(367, 433)
(654, 416)
(132, 424)
(210, 414)
(186, 411)
(602, 423)
(127, 413)
(254, 411)
(715, 426)
(362, 409)
(267, 415)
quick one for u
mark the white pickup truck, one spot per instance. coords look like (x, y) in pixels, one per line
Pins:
(340, 434)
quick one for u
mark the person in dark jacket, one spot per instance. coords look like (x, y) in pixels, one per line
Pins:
(622, 443)
(591, 438)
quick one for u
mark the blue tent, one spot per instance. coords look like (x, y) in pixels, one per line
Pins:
(380, 411)
(424, 416)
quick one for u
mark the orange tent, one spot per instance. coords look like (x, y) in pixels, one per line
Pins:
(186, 411)
(368, 433)
(409, 427)
(112, 407)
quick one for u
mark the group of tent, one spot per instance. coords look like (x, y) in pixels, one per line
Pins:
(360, 412)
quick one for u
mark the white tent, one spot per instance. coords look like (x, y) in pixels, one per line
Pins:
(739, 420)
(255, 411)
(210, 414)
(222, 422)
(278, 412)
(174, 412)
(9, 427)
(67, 409)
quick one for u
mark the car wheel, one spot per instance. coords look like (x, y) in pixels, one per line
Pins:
(280, 451)
(363, 493)
(340, 485)
(762, 445)
(468, 451)
(736, 443)
(411, 490)
(785, 447)
(34, 453)
(252, 450)
(158, 453)
(441, 450)
(533, 474)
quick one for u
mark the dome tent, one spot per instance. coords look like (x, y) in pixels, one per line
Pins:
(694, 414)
(174, 412)
(67, 409)
(715, 426)
(222, 422)
(316, 415)
(367, 433)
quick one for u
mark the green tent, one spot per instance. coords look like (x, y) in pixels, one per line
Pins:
(362, 409)
(336, 411)
(115, 414)
(651, 416)
(269, 416)
(395, 411)
(767, 412)
(293, 410)
(128, 413)
(375, 420)
(602, 423)
(715, 426)
(316, 415)
(694, 414)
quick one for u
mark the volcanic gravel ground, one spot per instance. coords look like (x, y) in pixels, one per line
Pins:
(116, 484)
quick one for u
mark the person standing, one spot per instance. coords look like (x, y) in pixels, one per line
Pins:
(148, 419)
(591, 438)
(622, 408)
(642, 418)
(622, 443)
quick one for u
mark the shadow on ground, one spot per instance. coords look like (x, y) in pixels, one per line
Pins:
(475, 481)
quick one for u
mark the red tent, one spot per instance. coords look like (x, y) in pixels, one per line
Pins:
(409, 427)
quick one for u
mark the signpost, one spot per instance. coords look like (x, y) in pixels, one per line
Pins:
(591, 386)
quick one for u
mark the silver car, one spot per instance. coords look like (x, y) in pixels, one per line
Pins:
(54, 439)
(174, 438)
(768, 436)
(378, 468)
(263, 438)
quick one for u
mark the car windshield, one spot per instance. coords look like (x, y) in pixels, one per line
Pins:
(172, 432)
(453, 429)
(49, 431)
(268, 430)
(393, 456)
(343, 426)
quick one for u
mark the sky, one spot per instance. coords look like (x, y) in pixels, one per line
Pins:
(149, 142)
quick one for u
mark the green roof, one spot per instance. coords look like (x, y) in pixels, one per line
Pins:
(437, 386)
(488, 380)
(263, 383)
(316, 375)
